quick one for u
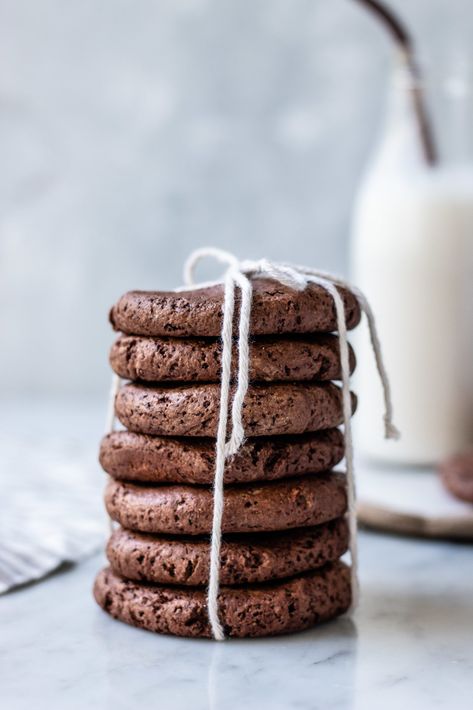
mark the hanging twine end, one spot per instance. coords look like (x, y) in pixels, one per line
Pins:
(218, 634)
(355, 596)
(235, 441)
(390, 431)
(230, 449)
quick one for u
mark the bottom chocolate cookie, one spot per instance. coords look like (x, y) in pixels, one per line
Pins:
(245, 559)
(266, 610)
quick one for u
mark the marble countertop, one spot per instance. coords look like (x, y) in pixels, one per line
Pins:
(408, 646)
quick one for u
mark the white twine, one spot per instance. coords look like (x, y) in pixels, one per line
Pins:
(110, 418)
(110, 422)
(239, 274)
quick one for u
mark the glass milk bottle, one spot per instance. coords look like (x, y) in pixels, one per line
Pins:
(412, 255)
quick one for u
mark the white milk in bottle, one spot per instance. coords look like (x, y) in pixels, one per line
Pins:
(412, 255)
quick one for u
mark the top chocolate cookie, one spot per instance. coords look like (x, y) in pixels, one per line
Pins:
(275, 309)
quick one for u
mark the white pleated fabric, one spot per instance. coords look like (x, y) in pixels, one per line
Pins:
(51, 509)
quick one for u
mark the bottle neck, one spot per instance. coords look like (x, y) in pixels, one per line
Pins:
(452, 110)
(449, 106)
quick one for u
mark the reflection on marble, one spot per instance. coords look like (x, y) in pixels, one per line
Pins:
(408, 646)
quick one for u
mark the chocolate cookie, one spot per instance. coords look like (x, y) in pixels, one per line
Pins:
(192, 410)
(457, 475)
(187, 510)
(151, 459)
(275, 309)
(264, 610)
(199, 360)
(245, 559)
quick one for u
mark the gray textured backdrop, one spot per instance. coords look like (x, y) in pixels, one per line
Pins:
(133, 131)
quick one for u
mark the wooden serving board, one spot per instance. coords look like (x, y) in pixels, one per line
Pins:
(410, 501)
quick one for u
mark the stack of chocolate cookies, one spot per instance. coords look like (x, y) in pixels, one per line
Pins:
(284, 527)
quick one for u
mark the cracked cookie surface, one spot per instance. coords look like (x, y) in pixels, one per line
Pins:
(258, 610)
(129, 456)
(199, 359)
(192, 410)
(245, 559)
(275, 309)
(187, 510)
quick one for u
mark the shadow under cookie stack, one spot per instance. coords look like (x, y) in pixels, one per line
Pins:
(284, 524)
